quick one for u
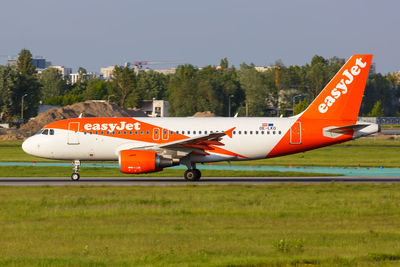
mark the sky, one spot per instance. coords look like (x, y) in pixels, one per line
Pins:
(99, 33)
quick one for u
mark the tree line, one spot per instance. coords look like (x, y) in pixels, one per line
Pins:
(223, 90)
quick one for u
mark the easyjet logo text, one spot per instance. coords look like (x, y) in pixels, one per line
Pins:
(341, 87)
(112, 126)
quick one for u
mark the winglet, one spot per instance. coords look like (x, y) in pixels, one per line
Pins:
(229, 132)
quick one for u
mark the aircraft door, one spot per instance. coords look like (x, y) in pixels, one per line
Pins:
(73, 133)
(156, 134)
(165, 134)
(295, 134)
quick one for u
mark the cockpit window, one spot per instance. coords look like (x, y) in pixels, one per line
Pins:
(45, 132)
(51, 132)
(40, 132)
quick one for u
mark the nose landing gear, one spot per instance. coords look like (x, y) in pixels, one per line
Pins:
(75, 176)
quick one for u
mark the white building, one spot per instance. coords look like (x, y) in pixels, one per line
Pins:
(74, 77)
(262, 69)
(155, 108)
(165, 72)
(65, 72)
(106, 72)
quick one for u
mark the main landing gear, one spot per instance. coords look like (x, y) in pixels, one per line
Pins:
(192, 175)
(75, 176)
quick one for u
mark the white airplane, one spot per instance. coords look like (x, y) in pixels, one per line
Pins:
(143, 145)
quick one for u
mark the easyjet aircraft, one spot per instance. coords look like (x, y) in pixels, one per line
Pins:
(143, 145)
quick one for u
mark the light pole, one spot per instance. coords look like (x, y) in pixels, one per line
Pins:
(294, 99)
(229, 104)
(108, 98)
(22, 106)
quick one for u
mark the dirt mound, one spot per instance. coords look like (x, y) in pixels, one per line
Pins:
(204, 114)
(87, 108)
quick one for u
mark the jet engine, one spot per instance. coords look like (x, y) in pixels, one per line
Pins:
(142, 161)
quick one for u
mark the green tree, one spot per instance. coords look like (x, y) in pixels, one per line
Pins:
(377, 110)
(25, 63)
(53, 84)
(300, 107)
(224, 64)
(259, 88)
(96, 89)
(182, 91)
(380, 88)
(26, 84)
(123, 87)
(152, 85)
(8, 81)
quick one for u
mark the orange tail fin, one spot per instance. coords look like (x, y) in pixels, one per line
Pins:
(341, 98)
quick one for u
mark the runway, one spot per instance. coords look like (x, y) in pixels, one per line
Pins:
(177, 181)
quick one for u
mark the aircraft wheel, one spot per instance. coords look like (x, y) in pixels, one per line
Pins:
(75, 176)
(198, 174)
(192, 175)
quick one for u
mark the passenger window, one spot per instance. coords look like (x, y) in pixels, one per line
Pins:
(188, 132)
(194, 132)
(177, 132)
(267, 132)
(199, 132)
(130, 132)
(256, 132)
(273, 132)
(97, 132)
(205, 132)
(113, 132)
(147, 132)
(45, 132)
(119, 132)
(90, 132)
(280, 132)
(84, 132)
(124, 132)
(171, 132)
(245, 132)
(141, 132)
(251, 132)
(183, 132)
(102, 132)
(234, 132)
(240, 132)
(262, 132)
(51, 132)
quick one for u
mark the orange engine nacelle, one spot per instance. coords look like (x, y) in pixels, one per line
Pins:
(141, 161)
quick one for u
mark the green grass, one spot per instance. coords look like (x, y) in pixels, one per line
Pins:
(276, 225)
(34, 171)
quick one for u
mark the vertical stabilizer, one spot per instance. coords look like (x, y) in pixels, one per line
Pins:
(341, 98)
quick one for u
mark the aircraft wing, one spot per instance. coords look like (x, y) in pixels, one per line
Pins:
(196, 145)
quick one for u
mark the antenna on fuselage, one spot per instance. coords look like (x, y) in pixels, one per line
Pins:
(80, 115)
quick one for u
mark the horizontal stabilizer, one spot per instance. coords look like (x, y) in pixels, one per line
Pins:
(347, 128)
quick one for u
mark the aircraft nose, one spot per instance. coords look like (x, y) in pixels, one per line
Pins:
(27, 146)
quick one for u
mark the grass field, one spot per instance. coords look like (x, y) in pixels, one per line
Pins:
(277, 225)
